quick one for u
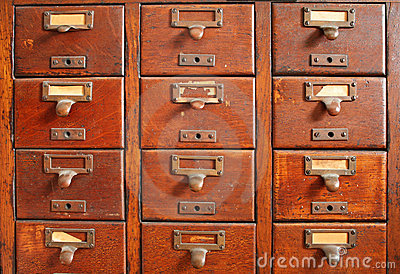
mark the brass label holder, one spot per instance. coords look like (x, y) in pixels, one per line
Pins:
(330, 175)
(328, 19)
(325, 239)
(196, 28)
(196, 102)
(63, 21)
(68, 248)
(65, 175)
(65, 101)
(331, 102)
(196, 176)
(198, 251)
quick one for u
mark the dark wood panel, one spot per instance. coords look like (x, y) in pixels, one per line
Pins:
(102, 118)
(232, 120)
(294, 191)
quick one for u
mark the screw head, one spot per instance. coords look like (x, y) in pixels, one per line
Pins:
(44, 98)
(46, 26)
(89, 13)
(184, 208)
(342, 208)
(210, 136)
(353, 84)
(316, 59)
(175, 85)
(308, 84)
(209, 208)
(174, 24)
(175, 171)
(306, 23)
(81, 206)
(46, 13)
(174, 10)
(342, 60)
(91, 245)
(353, 232)
(308, 232)
(353, 158)
(317, 207)
(176, 246)
(185, 135)
(46, 170)
(175, 158)
(306, 9)
(88, 85)
(220, 158)
(308, 97)
(177, 233)
(55, 62)
(308, 171)
(219, 23)
(184, 59)
(80, 62)
(344, 134)
(56, 205)
(47, 232)
(353, 245)
(353, 98)
(220, 100)
(317, 134)
(210, 60)
(90, 26)
(80, 134)
(47, 244)
(219, 172)
(221, 247)
(47, 157)
(307, 245)
(353, 171)
(88, 98)
(352, 23)
(221, 234)
(55, 133)
(308, 158)
(219, 10)
(352, 10)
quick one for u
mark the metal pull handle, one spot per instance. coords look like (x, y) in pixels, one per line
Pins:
(196, 182)
(331, 182)
(332, 105)
(198, 257)
(333, 253)
(67, 254)
(64, 21)
(197, 104)
(64, 107)
(196, 31)
(330, 32)
(64, 28)
(65, 178)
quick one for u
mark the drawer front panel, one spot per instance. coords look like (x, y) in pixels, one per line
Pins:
(290, 241)
(62, 47)
(198, 113)
(159, 254)
(52, 194)
(96, 122)
(329, 112)
(170, 50)
(295, 191)
(180, 196)
(106, 255)
(302, 48)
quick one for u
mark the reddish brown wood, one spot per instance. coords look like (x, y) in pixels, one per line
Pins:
(293, 42)
(159, 254)
(108, 254)
(102, 189)
(294, 191)
(102, 45)
(162, 119)
(162, 44)
(102, 118)
(295, 117)
(233, 192)
(289, 242)
(132, 152)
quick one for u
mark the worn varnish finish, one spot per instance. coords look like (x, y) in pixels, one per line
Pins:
(102, 118)
(232, 192)
(33, 256)
(159, 255)
(102, 189)
(295, 117)
(289, 242)
(102, 45)
(162, 44)
(293, 42)
(364, 191)
(162, 119)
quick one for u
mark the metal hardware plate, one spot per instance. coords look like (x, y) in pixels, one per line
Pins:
(178, 87)
(217, 23)
(201, 60)
(329, 208)
(68, 15)
(177, 170)
(68, 62)
(219, 235)
(330, 134)
(87, 168)
(350, 170)
(312, 94)
(351, 238)
(89, 243)
(198, 208)
(309, 22)
(68, 206)
(86, 95)
(329, 60)
(198, 136)
(68, 134)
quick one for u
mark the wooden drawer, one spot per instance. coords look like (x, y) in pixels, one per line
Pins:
(170, 196)
(290, 242)
(363, 195)
(232, 247)
(226, 48)
(198, 113)
(93, 123)
(106, 256)
(97, 50)
(322, 112)
(300, 45)
(44, 194)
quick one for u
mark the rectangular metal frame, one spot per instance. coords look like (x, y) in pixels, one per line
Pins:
(177, 170)
(310, 96)
(309, 159)
(352, 237)
(89, 14)
(217, 23)
(351, 17)
(86, 97)
(176, 95)
(47, 163)
(219, 245)
(90, 237)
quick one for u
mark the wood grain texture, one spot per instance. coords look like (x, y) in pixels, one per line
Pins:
(295, 117)
(289, 242)
(102, 45)
(108, 255)
(264, 125)
(6, 146)
(132, 151)
(393, 21)
(162, 119)
(294, 191)
(293, 42)
(232, 44)
(159, 255)
(233, 192)
(102, 118)
(103, 189)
